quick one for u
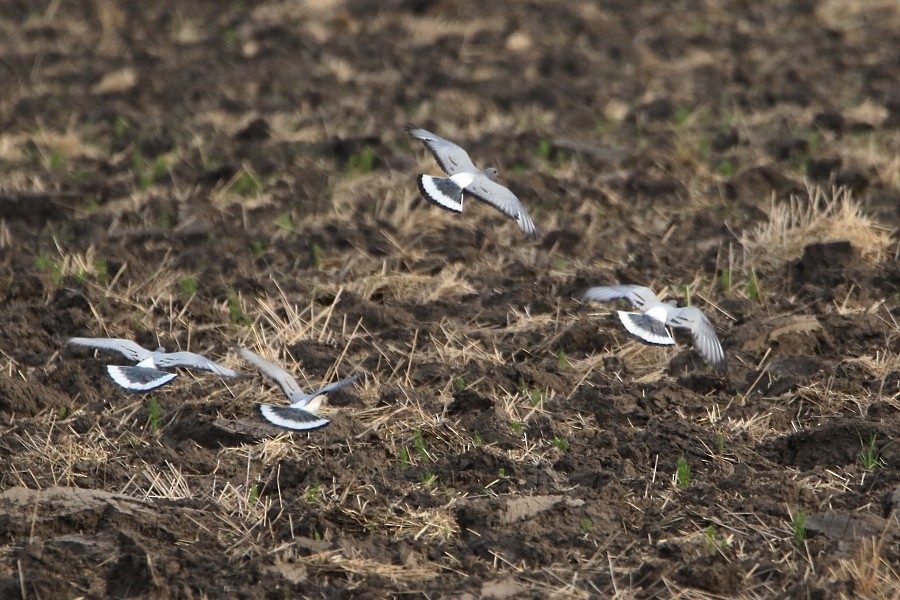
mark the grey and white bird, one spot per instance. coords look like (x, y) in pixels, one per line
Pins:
(303, 412)
(650, 323)
(146, 375)
(447, 192)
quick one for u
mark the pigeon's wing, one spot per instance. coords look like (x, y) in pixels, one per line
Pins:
(705, 340)
(193, 361)
(641, 297)
(287, 383)
(127, 348)
(334, 386)
(503, 200)
(451, 157)
(139, 379)
(646, 327)
(441, 191)
(292, 418)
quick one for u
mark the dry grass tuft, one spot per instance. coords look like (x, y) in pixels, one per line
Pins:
(413, 286)
(873, 577)
(818, 217)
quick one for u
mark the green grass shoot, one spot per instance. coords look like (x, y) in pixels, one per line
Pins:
(155, 414)
(798, 528)
(682, 473)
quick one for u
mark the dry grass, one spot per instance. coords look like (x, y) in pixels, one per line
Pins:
(818, 217)
(873, 577)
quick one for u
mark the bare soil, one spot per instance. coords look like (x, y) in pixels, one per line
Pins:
(206, 174)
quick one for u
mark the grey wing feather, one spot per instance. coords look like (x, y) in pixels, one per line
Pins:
(449, 156)
(641, 297)
(194, 361)
(503, 200)
(334, 386)
(127, 348)
(287, 383)
(706, 341)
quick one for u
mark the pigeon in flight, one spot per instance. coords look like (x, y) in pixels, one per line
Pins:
(447, 192)
(303, 412)
(145, 376)
(650, 324)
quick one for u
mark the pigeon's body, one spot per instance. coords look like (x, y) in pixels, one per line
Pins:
(303, 412)
(446, 192)
(650, 324)
(147, 375)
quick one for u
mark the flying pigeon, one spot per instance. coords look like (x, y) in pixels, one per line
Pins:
(447, 192)
(650, 324)
(303, 412)
(145, 376)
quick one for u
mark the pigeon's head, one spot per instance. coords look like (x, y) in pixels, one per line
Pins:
(490, 173)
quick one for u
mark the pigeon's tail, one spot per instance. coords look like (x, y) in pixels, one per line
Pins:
(442, 191)
(139, 379)
(297, 419)
(646, 327)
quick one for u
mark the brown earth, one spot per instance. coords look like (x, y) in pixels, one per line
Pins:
(208, 174)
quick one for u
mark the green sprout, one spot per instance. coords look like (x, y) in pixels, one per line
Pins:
(253, 496)
(247, 184)
(139, 166)
(725, 280)
(314, 494)
(563, 359)
(318, 256)
(361, 162)
(428, 479)
(682, 472)
(753, 287)
(257, 248)
(869, 456)
(682, 113)
(57, 161)
(155, 411)
(188, 286)
(798, 528)
(160, 167)
(715, 541)
(101, 272)
(404, 458)
(587, 525)
(285, 221)
(51, 266)
(544, 150)
(419, 443)
(236, 311)
(560, 443)
(120, 126)
(460, 383)
(726, 169)
(516, 427)
(477, 440)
